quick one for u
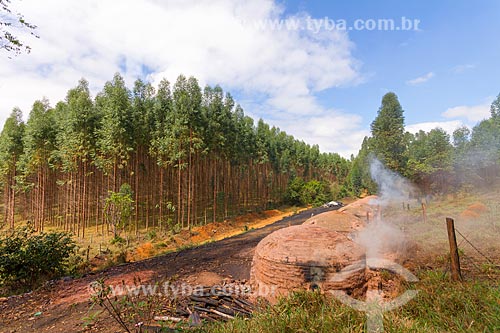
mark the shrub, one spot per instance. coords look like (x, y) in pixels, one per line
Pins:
(316, 193)
(151, 235)
(118, 208)
(27, 258)
(313, 192)
(293, 191)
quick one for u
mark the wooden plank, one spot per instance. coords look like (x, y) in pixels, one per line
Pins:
(167, 318)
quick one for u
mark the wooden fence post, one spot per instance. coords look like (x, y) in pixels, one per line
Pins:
(455, 260)
(424, 213)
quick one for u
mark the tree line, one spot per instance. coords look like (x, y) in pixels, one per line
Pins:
(184, 155)
(434, 160)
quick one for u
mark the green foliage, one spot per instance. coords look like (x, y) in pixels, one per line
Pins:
(115, 133)
(78, 123)
(39, 138)
(313, 192)
(118, 208)
(484, 143)
(294, 190)
(66, 156)
(359, 180)
(28, 258)
(117, 240)
(495, 109)
(11, 148)
(388, 132)
(339, 191)
(430, 158)
(461, 137)
(11, 144)
(151, 235)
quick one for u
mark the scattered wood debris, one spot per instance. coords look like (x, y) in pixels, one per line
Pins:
(209, 304)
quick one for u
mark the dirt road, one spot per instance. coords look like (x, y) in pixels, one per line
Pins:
(61, 306)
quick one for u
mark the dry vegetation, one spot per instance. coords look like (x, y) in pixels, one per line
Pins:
(476, 217)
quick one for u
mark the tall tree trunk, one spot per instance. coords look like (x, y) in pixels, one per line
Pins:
(214, 208)
(160, 220)
(136, 203)
(189, 180)
(179, 199)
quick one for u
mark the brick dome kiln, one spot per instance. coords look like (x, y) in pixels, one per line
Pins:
(305, 257)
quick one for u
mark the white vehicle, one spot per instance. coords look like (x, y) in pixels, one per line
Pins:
(332, 204)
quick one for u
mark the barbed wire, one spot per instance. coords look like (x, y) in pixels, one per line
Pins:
(475, 248)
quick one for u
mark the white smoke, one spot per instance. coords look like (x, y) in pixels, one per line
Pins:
(380, 237)
(392, 187)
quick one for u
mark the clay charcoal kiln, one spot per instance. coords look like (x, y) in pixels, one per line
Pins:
(305, 257)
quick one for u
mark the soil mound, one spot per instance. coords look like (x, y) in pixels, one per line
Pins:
(361, 207)
(337, 221)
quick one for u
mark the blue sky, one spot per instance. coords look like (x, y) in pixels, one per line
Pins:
(458, 43)
(322, 86)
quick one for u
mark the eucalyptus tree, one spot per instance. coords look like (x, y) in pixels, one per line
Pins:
(76, 141)
(115, 133)
(181, 150)
(196, 123)
(243, 154)
(215, 141)
(11, 148)
(142, 113)
(39, 142)
(184, 140)
(160, 140)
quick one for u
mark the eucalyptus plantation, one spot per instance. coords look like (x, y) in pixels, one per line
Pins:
(187, 156)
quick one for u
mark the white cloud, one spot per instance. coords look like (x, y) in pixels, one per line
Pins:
(462, 68)
(211, 40)
(338, 132)
(448, 126)
(472, 113)
(421, 79)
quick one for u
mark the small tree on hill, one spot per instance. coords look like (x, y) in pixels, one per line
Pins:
(118, 208)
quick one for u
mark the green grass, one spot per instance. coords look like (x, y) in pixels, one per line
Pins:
(440, 306)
